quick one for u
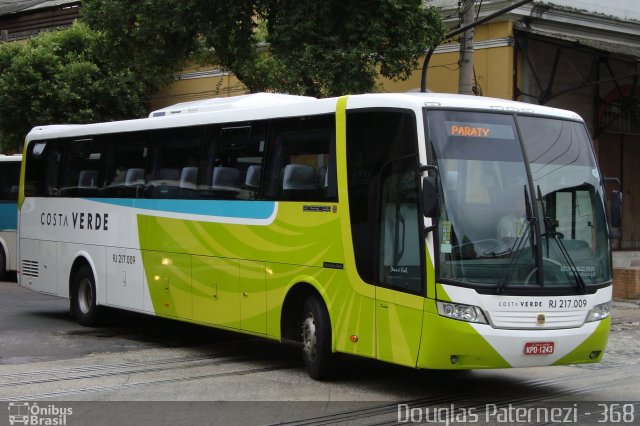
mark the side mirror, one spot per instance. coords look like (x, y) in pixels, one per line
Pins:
(615, 216)
(616, 209)
(430, 196)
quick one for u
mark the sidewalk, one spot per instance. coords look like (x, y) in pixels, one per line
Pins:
(625, 314)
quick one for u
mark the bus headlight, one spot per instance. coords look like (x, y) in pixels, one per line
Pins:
(461, 312)
(600, 312)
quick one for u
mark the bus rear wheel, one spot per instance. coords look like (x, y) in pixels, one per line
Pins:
(84, 301)
(316, 339)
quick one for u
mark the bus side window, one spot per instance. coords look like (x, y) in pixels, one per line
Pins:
(174, 162)
(41, 177)
(234, 157)
(79, 164)
(125, 166)
(301, 165)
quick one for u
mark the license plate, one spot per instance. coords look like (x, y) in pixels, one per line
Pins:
(539, 348)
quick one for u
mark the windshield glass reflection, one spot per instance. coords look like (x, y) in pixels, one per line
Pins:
(492, 220)
(566, 178)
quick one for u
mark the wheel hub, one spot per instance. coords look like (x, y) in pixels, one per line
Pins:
(85, 296)
(309, 337)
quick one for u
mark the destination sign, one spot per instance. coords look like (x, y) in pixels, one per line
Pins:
(479, 130)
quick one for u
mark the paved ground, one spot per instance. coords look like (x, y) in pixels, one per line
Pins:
(46, 356)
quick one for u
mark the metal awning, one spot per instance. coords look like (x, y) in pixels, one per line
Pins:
(599, 42)
(601, 32)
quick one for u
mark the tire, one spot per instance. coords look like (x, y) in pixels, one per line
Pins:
(83, 297)
(319, 361)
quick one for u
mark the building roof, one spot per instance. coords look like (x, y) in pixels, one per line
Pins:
(8, 7)
(610, 26)
(623, 10)
(590, 28)
(619, 10)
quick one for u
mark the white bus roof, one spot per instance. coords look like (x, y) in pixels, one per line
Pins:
(270, 105)
(233, 102)
(13, 157)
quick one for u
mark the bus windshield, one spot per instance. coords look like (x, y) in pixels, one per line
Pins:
(522, 202)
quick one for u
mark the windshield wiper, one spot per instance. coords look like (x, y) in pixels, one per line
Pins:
(550, 231)
(518, 244)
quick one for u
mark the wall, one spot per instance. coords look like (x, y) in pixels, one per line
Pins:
(198, 83)
(493, 65)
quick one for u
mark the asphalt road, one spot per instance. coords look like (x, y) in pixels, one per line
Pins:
(46, 356)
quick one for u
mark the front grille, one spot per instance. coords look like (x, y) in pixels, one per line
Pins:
(30, 268)
(528, 320)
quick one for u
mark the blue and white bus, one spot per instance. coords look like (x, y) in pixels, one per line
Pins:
(9, 178)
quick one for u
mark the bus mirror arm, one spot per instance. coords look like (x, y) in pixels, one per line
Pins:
(427, 167)
(428, 229)
(613, 180)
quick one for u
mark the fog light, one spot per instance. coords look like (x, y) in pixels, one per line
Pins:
(454, 359)
(594, 354)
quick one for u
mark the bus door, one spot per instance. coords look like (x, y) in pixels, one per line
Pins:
(399, 300)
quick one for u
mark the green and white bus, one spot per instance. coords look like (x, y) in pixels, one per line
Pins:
(371, 225)
(9, 179)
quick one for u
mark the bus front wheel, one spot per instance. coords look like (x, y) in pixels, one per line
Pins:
(316, 339)
(84, 303)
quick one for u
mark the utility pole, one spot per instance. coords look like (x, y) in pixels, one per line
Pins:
(465, 72)
(427, 58)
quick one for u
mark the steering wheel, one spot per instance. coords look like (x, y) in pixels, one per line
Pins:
(554, 273)
(559, 234)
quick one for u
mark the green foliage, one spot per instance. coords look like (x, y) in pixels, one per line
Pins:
(153, 37)
(58, 78)
(307, 47)
(335, 47)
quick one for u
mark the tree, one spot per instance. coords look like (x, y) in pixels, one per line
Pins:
(336, 47)
(58, 78)
(307, 47)
(155, 38)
